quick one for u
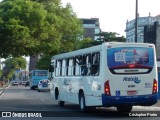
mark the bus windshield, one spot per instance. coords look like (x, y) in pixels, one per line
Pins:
(130, 57)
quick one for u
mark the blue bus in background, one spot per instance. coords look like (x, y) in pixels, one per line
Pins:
(36, 76)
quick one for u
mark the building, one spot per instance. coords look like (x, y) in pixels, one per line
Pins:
(152, 35)
(142, 22)
(91, 27)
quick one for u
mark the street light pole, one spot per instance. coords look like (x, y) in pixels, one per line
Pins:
(136, 20)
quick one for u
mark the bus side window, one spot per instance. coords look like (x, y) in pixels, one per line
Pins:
(67, 65)
(58, 67)
(70, 67)
(78, 64)
(95, 63)
(64, 69)
(88, 61)
(85, 68)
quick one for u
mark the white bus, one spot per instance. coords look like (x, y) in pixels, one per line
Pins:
(112, 74)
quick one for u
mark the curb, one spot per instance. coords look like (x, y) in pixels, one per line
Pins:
(3, 89)
(147, 108)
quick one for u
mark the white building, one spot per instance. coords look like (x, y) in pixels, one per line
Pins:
(142, 21)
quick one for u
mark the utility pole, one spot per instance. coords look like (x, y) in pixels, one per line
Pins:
(136, 21)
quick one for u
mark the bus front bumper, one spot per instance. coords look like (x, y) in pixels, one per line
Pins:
(143, 100)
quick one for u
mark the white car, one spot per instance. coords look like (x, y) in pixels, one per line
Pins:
(15, 83)
(23, 82)
(44, 85)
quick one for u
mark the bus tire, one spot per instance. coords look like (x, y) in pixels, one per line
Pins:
(82, 104)
(32, 88)
(56, 93)
(60, 103)
(124, 108)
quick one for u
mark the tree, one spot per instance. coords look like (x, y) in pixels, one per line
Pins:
(104, 37)
(38, 26)
(110, 37)
(0, 73)
(11, 64)
(44, 63)
(68, 26)
(87, 42)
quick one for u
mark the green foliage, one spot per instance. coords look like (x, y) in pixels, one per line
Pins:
(44, 63)
(110, 37)
(86, 42)
(29, 27)
(65, 25)
(0, 72)
(10, 74)
(105, 37)
(22, 23)
(11, 64)
(15, 63)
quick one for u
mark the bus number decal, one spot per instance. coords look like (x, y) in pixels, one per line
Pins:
(131, 86)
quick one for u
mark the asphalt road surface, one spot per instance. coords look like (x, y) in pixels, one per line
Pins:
(20, 101)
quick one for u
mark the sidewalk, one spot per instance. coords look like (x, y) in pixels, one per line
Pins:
(2, 89)
(155, 107)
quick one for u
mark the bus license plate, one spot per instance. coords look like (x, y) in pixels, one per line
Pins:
(132, 92)
(44, 85)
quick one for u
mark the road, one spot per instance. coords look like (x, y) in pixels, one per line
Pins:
(21, 99)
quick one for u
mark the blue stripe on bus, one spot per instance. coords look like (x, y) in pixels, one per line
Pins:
(144, 100)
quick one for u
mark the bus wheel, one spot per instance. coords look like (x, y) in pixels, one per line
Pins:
(56, 94)
(32, 88)
(124, 108)
(60, 103)
(82, 104)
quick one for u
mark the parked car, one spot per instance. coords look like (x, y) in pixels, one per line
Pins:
(24, 82)
(44, 85)
(15, 83)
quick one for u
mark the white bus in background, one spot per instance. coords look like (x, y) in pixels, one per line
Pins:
(122, 75)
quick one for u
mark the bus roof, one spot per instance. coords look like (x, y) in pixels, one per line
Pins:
(39, 70)
(97, 49)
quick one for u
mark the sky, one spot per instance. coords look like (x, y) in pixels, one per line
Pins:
(113, 14)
